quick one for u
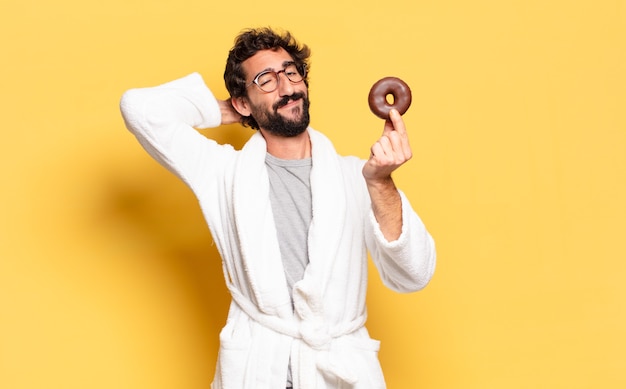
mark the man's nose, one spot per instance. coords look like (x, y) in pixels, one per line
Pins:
(285, 87)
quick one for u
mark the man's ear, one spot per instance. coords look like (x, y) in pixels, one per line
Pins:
(241, 105)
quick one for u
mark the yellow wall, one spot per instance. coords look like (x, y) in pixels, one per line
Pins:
(109, 279)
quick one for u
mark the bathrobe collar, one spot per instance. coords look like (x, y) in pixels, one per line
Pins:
(256, 230)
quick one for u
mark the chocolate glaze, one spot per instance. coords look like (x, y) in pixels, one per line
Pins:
(389, 86)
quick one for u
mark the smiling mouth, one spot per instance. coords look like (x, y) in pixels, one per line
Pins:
(288, 100)
(290, 103)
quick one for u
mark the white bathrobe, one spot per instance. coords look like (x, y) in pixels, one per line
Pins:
(324, 331)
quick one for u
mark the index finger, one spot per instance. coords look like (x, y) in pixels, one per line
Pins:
(395, 123)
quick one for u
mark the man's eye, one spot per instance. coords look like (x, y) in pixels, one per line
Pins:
(265, 79)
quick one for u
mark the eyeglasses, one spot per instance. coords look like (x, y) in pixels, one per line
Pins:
(268, 80)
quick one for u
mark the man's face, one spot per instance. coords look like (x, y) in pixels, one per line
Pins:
(284, 111)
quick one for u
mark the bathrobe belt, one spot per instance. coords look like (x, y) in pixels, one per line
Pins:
(314, 338)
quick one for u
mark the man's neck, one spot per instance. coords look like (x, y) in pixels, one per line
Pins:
(296, 147)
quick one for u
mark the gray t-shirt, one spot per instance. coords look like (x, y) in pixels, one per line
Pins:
(290, 195)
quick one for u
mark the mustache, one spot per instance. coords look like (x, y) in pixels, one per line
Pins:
(286, 99)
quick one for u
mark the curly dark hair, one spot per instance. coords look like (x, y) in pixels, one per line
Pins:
(248, 43)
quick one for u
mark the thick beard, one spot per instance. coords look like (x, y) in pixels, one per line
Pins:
(275, 123)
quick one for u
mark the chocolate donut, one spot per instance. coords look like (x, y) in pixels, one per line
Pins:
(389, 86)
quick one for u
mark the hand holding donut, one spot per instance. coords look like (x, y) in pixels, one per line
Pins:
(392, 149)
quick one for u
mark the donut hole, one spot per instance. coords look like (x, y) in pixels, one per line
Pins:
(390, 98)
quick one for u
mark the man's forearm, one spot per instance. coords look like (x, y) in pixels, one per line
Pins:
(387, 207)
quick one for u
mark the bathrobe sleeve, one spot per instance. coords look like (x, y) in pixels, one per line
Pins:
(165, 118)
(408, 263)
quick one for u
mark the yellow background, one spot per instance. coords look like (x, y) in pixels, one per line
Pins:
(109, 278)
